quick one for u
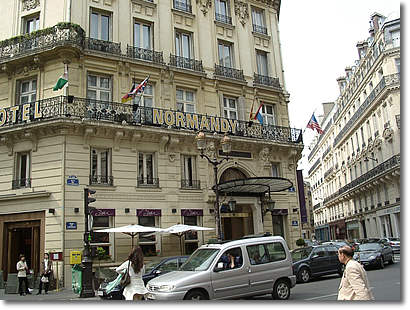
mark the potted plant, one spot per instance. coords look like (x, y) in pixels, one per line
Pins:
(300, 242)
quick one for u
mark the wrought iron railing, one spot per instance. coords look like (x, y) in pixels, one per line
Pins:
(329, 148)
(260, 29)
(185, 63)
(101, 180)
(317, 162)
(145, 54)
(229, 72)
(21, 183)
(103, 46)
(190, 184)
(148, 182)
(265, 80)
(328, 172)
(70, 107)
(223, 18)
(182, 6)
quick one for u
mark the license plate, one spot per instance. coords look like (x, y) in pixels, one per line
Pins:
(150, 296)
(100, 293)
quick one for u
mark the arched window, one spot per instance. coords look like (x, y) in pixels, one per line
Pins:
(232, 174)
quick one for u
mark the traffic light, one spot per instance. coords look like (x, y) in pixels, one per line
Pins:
(88, 199)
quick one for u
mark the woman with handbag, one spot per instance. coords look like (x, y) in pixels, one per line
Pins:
(133, 269)
(22, 270)
(45, 272)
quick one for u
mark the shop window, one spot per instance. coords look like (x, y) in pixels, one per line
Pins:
(22, 177)
(191, 237)
(102, 239)
(148, 242)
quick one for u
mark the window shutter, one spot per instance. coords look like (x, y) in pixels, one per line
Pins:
(241, 108)
(221, 104)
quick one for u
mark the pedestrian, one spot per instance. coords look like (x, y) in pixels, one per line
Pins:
(135, 268)
(22, 270)
(45, 273)
(354, 284)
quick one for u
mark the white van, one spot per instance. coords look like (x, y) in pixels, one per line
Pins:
(241, 268)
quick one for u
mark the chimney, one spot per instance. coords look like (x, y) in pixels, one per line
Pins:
(361, 48)
(341, 81)
(348, 71)
(376, 19)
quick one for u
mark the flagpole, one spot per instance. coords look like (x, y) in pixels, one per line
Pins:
(65, 91)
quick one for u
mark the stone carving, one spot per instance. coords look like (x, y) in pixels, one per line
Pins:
(205, 5)
(388, 134)
(210, 150)
(242, 11)
(30, 4)
(264, 154)
(171, 157)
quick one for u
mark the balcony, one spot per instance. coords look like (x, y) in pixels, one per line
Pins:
(329, 172)
(186, 63)
(190, 184)
(101, 180)
(65, 108)
(230, 73)
(265, 80)
(21, 183)
(148, 182)
(182, 6)
(145, 54)
(103, 46)
(223, 18)
(260, 29)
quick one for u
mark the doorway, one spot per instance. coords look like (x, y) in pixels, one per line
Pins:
(235, 225)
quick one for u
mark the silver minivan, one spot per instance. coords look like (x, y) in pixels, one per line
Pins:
(241, 268)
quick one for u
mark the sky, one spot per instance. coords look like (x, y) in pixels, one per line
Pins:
(318, 41)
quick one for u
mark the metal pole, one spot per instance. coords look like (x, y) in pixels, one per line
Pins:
(216, 207)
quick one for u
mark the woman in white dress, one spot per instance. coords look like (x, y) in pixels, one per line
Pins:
(136, 289)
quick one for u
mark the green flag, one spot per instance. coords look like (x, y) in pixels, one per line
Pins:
(61, 82)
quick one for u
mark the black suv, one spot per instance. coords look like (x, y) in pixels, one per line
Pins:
(315, 261)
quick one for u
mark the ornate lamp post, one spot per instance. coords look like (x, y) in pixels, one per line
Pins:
(226, 149)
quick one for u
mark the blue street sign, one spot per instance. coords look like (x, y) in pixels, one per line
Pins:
(292, 189)
(295, 223)
(70, 225)
(73, 180)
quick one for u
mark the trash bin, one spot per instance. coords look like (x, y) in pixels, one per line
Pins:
(76, 274)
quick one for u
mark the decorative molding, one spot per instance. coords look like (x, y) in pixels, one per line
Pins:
(135, 137)
(242, 11)
(388, 134)
(117, 139)
(8, 141)
(87, 134)
(30, 4)
(204, 5)
(210, 150)
(171, 157)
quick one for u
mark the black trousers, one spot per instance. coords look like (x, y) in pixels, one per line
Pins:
(21, 281)
(46, 284)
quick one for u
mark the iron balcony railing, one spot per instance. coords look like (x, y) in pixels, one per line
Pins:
(260, 29)
(70, 107)
(392, 162)
(317, 162)
(183, 6)
(101, 180)
(185, 63)
(21, 183)
(103, 46)
(145, 54)
(147, 182)
(229, 72)
(223, 18)
(191, 184)
(265, 80)
(328, 172)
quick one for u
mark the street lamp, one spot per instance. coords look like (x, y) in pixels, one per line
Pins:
(226, 149)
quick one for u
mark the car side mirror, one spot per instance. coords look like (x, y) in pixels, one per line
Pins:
(315, 256)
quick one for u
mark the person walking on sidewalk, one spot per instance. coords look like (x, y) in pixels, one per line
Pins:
(135, 268)
(45, 272)
(22, 269)
(354, 284)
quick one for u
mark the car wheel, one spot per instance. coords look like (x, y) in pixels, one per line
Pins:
(281, 290)
(391, 261)
(304, 275)
(196, 295)
(381, 263)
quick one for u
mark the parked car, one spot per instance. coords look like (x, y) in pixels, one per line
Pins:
(315, 261)
(374, 254)
(226, 270)
(393, 242)
(337, 243)
(309, 242)
(154, 268)
(368, 240)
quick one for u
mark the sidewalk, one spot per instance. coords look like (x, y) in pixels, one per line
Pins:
(61, 295)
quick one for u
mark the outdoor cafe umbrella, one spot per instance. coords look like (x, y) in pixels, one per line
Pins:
(132, 230)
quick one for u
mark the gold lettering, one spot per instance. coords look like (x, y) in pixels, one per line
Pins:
(3, 117)
(37, 111)
(13, 111)
(26, 110)
(180, 119)
(204, 123)
(157, 117)
(233, 123)
(192, 121)
(214, 124)
(224, 125)
(169, 118)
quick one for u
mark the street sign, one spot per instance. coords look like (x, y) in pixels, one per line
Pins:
(71, 225)
(295, 223)
(72, 180)
(75, 257)
(56, 256)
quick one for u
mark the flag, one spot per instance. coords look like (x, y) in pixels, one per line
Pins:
(128, 96)
(141, 86)
(251, 114)
(313, 124)
(61, 81)
(258, 114)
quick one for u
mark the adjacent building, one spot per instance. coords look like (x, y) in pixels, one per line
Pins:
(355, 164)
(209, 63)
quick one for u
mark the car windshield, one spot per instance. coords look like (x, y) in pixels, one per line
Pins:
(369, 247)
(152, 264)
(300, 254)
(200, 260)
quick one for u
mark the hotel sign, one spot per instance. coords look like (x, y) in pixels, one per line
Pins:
(20, 113)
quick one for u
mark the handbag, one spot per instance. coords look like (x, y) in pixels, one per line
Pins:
(44, 279)
(125, 280)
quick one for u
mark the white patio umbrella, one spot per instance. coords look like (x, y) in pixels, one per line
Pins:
(132, 230)
(180, 229)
